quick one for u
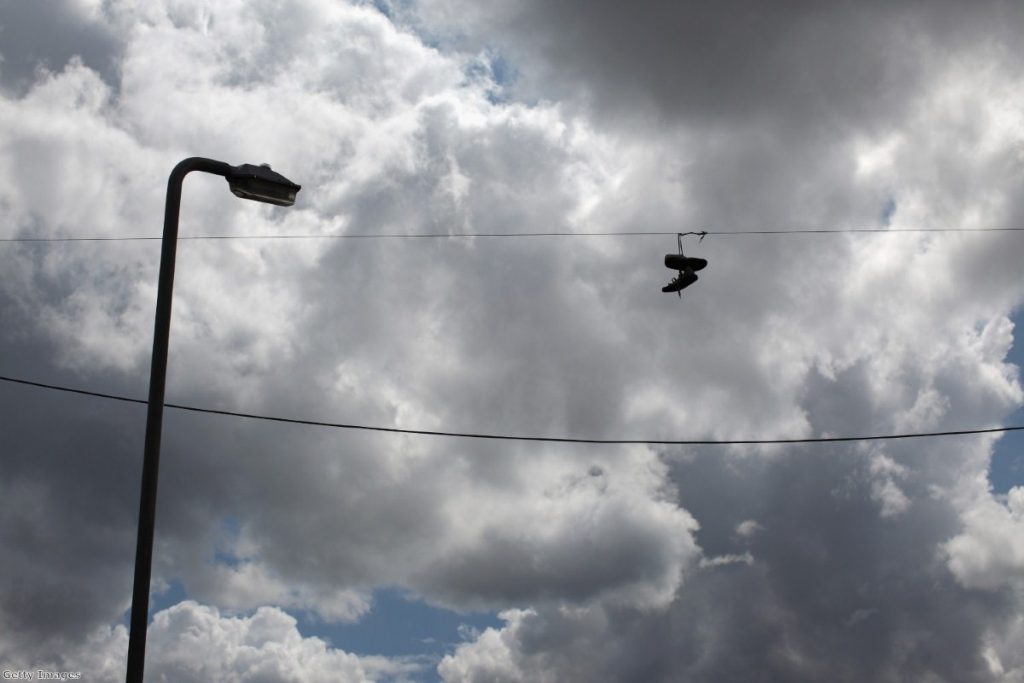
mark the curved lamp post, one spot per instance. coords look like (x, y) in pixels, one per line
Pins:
(258, 183)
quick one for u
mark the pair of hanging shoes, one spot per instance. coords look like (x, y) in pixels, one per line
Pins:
(686, 265)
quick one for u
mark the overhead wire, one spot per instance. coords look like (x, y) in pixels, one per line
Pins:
(509, 437)
(445, 235)
(512, 437)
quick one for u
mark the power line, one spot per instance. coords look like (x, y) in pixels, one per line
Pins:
(507, 437)
(445, 235)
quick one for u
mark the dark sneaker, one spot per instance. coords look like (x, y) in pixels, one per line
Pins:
(685, 279)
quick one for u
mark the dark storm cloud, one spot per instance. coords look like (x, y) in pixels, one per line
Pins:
(48, 35)
(809, 68)
(70, 467)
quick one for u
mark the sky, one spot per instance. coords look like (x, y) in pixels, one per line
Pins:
(287, 552)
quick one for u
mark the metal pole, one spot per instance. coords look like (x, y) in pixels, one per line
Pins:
(155, 414)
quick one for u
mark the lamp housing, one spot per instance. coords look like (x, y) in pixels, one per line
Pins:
(262, 184)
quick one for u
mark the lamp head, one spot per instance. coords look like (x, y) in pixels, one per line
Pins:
(261, 184)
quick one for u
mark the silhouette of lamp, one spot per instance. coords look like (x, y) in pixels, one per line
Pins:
(260, 184)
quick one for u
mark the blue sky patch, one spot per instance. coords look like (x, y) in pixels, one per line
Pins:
(888, 210)
(399, 625)
(1007, 468)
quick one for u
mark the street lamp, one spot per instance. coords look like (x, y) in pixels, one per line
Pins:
(258, 183)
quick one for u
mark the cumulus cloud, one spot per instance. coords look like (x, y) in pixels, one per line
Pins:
(990, 552)
(195, 643)
(877, 335)
(191, 642)
(322, 518)
(847, 562)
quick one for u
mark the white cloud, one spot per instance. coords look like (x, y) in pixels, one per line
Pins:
(193, 642)
(989, 554)
(488, 657)
(605, 533)
(748, 528)
(726, 560)
(250, 584)
(1003, 653)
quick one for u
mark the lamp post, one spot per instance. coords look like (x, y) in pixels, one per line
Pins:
(258, 183)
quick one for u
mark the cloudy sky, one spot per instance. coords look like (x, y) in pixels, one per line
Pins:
(297, 553)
